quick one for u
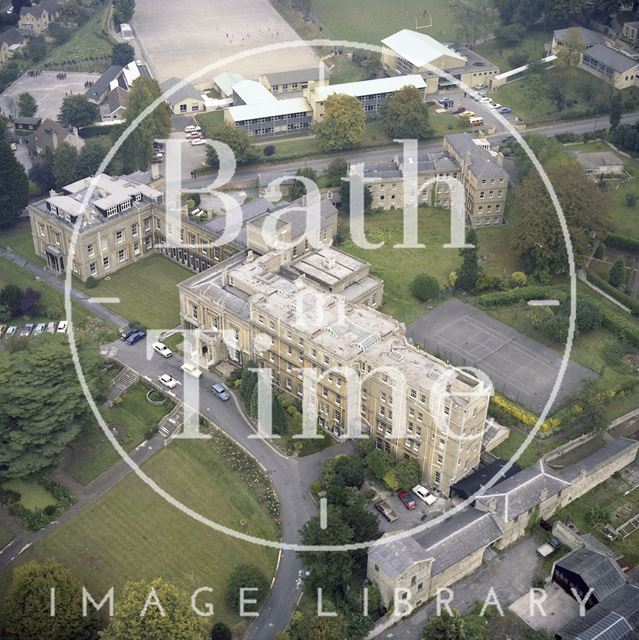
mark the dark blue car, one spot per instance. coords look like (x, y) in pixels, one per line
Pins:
(135, 337)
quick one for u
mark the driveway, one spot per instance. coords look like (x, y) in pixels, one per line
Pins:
(555, 612)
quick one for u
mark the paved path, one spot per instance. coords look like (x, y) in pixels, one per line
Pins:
(581, 274)
(57, 282)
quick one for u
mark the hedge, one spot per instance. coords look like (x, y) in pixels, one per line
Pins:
(622, 297)
(522, 294)
(622, 242)
(521, 414)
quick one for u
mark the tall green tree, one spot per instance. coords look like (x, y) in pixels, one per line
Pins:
(569, 56)
(91, 156)
(238, 140)
(65, 165)
(77, 111)
(616, 109)
(617, 274)
(27, 106)
(246, 576)
(445, 627)
(14, 186)
(475, 19)
(27, 607)
(405, 115)
(220, 631)
(122, 53)
(298, 188)
(336, 170)
(343, 125)
(137, 150)
(469, 271)
(345, 198)
(42, 407)
(175, 619)
(123, 10)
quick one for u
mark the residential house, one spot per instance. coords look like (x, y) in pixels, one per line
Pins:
(27, 123)
(34, 20)
(50, 135)
(631, 32)
(185, 100)
(105, 83)
(114, 107)
(410, 52)
(11, 41)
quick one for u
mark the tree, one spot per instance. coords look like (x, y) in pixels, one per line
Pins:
(248, 382)
(345, 198)
(246, 576)
(617, 274)
(123, 11)
(405, 115)
(77, 111)
(122, 53)
(592, 416)
(597, 517)
(30, 304)
(336, 170)
(14, 186)
(445, 627)
(407, 473)
(59, 32)
(36, 50)
(42, 407)
(588, 316)
(18, 4)
(616, 109)
(311, 627)
(570, 54)
(42, 175)
(27, 605)
(518, 279)
(537, 236)
(65, 164)
(425, 287)
(343, 125)
(469, 271)
(221, 632)
(298, 188)
(168, 614)
(379, 463)
(91, 156)
(508, 35)
(27, 106)
(239, 142)
(631, 199)
(475, 19)
(11, 297)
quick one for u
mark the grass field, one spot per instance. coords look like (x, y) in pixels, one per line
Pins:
(533, 44)
(19, 239)
(398, 267)
(371, 20)
(209, 120)
(132, 534)
(92, 453)
(345, 71)
(6, 536)
(147, 291)
(32, 494)
(91, 40)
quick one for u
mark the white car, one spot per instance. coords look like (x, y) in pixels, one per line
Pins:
(485, 100)
(11, 331)
(197, 142)
(62, 327)
(51, 327)
(26, 330)
(424, 494)
(162, 349)
(190, 128)
(495, 105)
(40, 328)
(168, 380)
(191, 369)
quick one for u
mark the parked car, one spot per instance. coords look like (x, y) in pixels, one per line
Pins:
(407, 499)
(40, 328)
(26, 330)
(504, 110)
(3, 328)
(220, 392)
(62, 327)
(459, 110)
(191, 369)
(467, 114)
(424, 494)
(127, 333)
(192, 127)
(485, 100)
(162, 349)
(168, 380)
(51, 327)
(198, 142)
(479, 87)
(135, 337)
(11, 331)
(384, 508)
(495, 105)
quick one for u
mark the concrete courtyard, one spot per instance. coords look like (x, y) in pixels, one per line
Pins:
(47, 90)
(520, 368)
(556, 610)
(178, 42)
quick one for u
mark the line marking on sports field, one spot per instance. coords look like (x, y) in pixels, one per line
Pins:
(323, 514)
(105, 300)
(543, 303)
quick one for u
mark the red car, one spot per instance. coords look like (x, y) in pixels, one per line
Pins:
(459, 110)
(407, 499)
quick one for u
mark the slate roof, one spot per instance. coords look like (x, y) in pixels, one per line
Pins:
(615, 618)
(448, 543)
(599, 572)
(36, 11)
(610, 450)
(296, 75)
(482, 163)
(250, 210)
(187, 92)
(471, 484)
(611, 58)
(523, 491)
(12, 36)
(103, 83)
(588, 36)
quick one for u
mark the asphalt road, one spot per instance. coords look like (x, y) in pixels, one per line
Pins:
(291, 477)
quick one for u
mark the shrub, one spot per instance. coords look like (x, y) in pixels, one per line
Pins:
(617, 241)
(246, 576)
(269, 150)
(425, 288)
(617, 274)
(487, 282)
(91, 283)
(631, 199)
(518, 279)
(624, 298)
(522, 294)
(588, 317)
(600, 251)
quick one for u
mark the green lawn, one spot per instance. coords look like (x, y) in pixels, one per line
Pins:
(209, 120)
(147, 291)
(92, 453)
(133, 534)
(6, 536)
(369, 21)
(532, 44)
(20, 240)
(345, 71)
(89, 42)
(398, 267)
(32, 494)
(447, 123)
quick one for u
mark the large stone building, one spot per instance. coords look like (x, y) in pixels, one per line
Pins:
(451, 550)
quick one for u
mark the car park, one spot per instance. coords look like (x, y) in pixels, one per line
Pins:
(191, 369)
(504, 110)
(162, 349)
(220, 392)
(26, 330)
(168, 380)
(424, 494)
(407, 499)
(134, 338)
(51, 327)
(40, 328)
(384, 508)
(62, 327)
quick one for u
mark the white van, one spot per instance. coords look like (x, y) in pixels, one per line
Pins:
(476, 121)
(162, 349)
